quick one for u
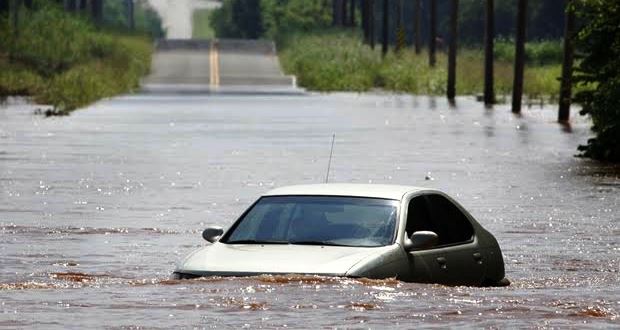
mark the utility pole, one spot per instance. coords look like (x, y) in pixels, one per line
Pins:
(364, 10)
(344, 13)
(454, 10)
(352, 13)
(97, 11)
(400, 30)
(15, 9)
(417, 21)
(71, 5)
(130, 15)
(386, 34)
(371, 23)
(432, 46)
(567, 64)
(517, 86)
(489, 36)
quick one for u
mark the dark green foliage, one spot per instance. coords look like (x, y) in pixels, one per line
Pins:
(337, 60)
(598, 43)
(4, 7)
(62, 60)
(536, 53)
(285, 16)
(238, 19)
(146, 19)
(270, 18)
(50, 40)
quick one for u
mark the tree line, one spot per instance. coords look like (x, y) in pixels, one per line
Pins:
(118, 14)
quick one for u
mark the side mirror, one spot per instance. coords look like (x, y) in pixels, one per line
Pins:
(212, 234)
(421, 240)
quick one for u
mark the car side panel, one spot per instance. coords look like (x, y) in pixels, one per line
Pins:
(388, 264)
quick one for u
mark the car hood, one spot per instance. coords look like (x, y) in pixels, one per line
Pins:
(252, 259)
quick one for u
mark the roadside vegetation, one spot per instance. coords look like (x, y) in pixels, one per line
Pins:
(63, 60)
(330, 59)
(201, 24)
(598, 75)
(336, 60)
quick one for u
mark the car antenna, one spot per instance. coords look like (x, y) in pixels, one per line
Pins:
(329, 163)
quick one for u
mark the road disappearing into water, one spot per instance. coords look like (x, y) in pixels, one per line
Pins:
(217, 66)
(96, 207)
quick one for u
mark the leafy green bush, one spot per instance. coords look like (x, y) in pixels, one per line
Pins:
(330, 61)
(335, 60)
(49, 40)
(283, 16)
(16, 80)
(598, 74)
(536, 52)
(145, 18)
(126, 60)
(63, 61)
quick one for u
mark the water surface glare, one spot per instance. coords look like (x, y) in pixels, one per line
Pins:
(96, 208)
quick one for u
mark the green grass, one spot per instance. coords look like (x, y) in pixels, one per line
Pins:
(63, 61)
(201, 24)
(339, 61)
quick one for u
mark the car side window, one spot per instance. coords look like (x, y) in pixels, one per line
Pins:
(418, 216)
(449, 223)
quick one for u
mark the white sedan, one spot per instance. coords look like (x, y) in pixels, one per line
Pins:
(353, 230)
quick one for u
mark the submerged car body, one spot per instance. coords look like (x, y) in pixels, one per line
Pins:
(353, 230)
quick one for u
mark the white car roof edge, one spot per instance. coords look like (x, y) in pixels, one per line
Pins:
(387, 191)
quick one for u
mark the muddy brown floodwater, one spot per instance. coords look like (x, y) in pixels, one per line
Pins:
(96, 208)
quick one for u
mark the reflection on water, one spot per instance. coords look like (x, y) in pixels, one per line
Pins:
(95, 209)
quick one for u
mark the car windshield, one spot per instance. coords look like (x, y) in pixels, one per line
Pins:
(317, 220)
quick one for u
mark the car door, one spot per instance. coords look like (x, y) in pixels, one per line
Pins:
(457, 258)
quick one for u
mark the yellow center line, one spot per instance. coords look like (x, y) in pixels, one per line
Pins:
(215, 65)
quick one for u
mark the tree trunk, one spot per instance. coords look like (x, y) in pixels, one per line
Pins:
(335, 12)
(15, 9)
(567, 64)
(489, 36)
(371, 23)
(97, 11)
(517, 87)
(385, 31)
(364, 10)
(130, 15)
(454, 11)
(432, 42)
(4, 7)
(71, 5)
(344, 13)
(352, 13)
(399, 32)
(417, 21)
(83, 5)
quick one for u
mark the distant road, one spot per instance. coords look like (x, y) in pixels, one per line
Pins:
(177, 15)
(210, 66)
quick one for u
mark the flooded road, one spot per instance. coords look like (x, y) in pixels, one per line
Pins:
(96, 208)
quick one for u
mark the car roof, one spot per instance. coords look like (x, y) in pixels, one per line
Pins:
(346, 189)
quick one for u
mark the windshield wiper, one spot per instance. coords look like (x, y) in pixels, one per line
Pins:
(255, 241)
(326, 243)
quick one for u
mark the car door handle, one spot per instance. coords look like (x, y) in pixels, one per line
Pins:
(478, 257)
(442, 262)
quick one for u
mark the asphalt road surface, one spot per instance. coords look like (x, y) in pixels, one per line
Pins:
(217, 66)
